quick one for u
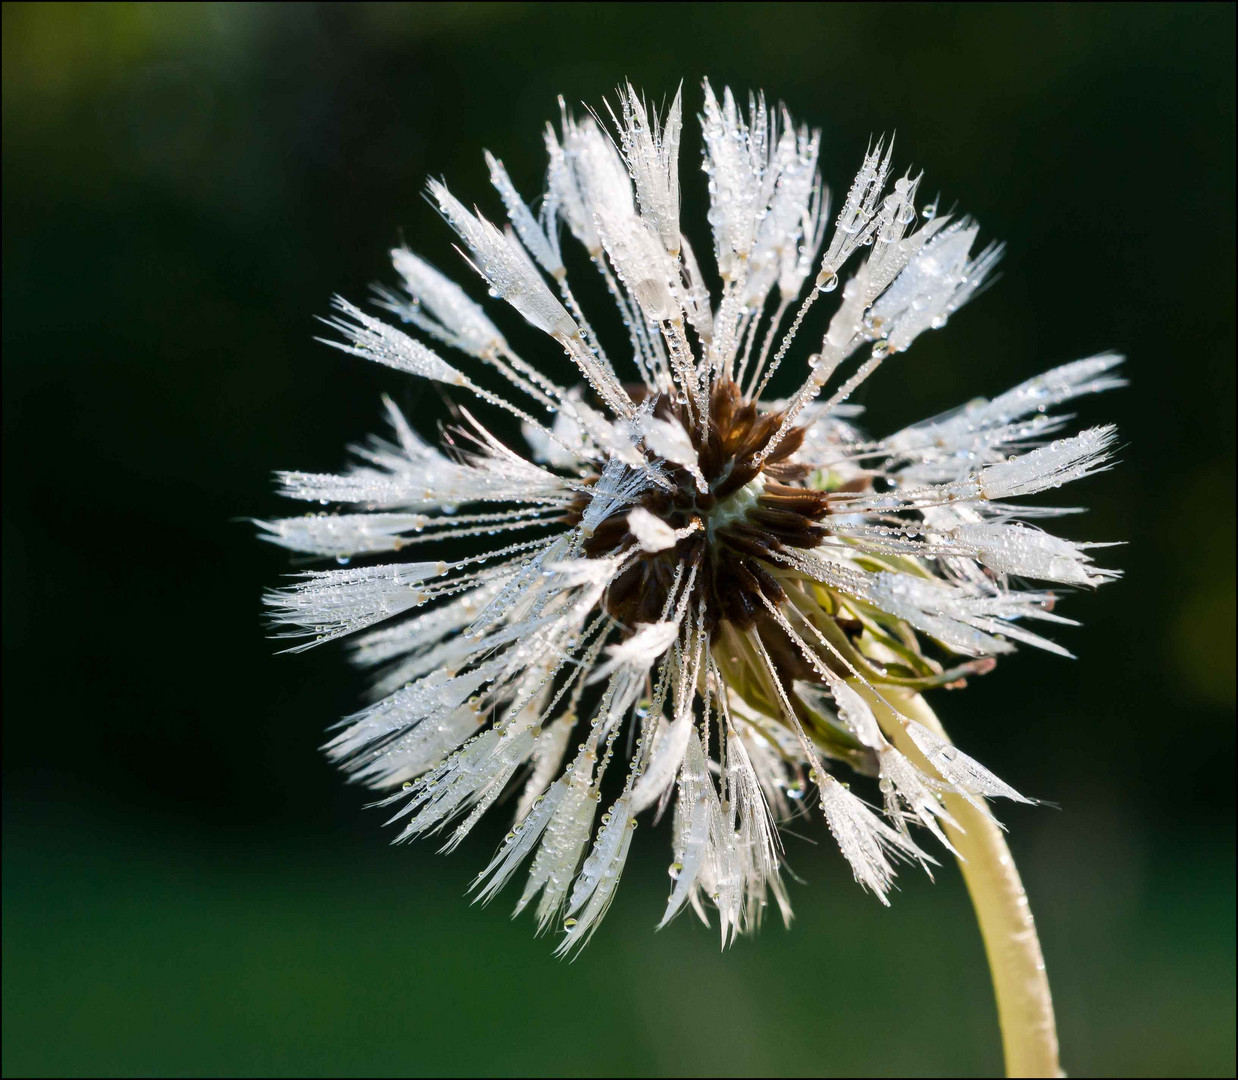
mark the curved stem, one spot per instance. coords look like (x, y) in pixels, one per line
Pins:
(1024, 1005)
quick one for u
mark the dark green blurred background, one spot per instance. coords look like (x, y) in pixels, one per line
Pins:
(188, 889)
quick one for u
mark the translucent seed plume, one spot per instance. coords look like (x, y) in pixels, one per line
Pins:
(683, 597)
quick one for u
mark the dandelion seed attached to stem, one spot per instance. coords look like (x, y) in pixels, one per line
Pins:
(694, 598)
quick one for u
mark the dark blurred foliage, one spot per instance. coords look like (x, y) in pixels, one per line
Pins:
(189, 889)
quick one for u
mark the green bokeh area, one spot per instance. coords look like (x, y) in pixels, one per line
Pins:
(190, 890)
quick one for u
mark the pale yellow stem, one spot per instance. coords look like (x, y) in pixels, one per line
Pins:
(1024, 1005)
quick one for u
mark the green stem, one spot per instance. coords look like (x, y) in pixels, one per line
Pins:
(1024, 1005)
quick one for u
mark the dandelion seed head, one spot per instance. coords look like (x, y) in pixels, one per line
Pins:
(687, 593)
